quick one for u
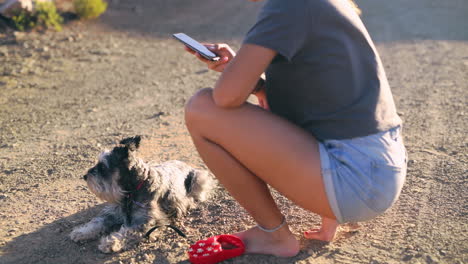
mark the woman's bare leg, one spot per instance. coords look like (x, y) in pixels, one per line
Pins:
(248, 148)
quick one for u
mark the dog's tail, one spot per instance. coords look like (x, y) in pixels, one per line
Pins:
(198, 184)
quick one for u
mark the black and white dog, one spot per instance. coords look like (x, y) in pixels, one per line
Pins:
(140, 196)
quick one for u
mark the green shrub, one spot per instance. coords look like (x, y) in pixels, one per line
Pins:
(47, 16)
(24, 20)
(89, 9)
(44, 15)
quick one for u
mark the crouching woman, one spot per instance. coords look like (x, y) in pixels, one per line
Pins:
(325, 133)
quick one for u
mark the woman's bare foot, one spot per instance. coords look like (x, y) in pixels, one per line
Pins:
(281, 243)
(325, 233)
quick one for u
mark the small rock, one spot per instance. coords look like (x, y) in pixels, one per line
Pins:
(43, 49)
(19, 35)
(102, 52)
(3, 52)
(430, 259)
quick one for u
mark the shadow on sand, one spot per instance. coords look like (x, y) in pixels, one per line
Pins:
(214, 20)
(51, 244)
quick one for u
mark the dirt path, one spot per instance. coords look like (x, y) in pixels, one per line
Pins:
(66, 96)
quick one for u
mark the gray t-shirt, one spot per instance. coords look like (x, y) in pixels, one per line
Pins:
(327, 77)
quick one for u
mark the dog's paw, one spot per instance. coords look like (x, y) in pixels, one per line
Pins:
(124, 239)
(111, 243)
(79, 235)
(76, 236)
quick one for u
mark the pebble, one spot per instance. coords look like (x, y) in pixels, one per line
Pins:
(430, 259)
(3, 51)
(19, 35)
(43, 49)
(102, 52)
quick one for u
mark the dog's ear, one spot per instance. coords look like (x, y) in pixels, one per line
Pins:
(132, 143)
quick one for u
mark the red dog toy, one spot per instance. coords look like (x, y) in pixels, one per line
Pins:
(216, 249)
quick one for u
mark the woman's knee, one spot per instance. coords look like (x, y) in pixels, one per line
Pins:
(198, 106)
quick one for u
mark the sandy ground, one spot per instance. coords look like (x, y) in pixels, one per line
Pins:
(67, 96)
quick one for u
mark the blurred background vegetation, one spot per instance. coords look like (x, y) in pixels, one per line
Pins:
(26, 15)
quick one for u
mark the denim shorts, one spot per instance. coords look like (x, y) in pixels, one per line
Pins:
(363, 176)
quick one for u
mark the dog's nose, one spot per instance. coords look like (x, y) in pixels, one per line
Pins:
(85, 177)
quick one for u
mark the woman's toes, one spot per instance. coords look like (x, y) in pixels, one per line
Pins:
(318, 234)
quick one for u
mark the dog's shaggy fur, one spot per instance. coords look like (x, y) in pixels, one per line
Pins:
(140, 196)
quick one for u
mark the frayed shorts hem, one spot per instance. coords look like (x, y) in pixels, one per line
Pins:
(363, 177)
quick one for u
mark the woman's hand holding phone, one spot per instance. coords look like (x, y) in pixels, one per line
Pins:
(225, 53)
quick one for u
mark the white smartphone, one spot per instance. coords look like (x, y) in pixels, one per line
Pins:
(196, 46)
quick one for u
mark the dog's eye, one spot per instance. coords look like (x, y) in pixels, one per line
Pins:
(92, 170)
(101, 168)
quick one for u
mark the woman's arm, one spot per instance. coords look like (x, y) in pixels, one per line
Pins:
(241, 75)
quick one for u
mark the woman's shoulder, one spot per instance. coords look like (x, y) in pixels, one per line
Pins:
(309, 8)
(282, 5)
